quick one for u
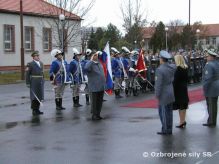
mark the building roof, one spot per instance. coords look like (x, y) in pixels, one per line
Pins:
(205, 30)
(148, 32)
(212, 29)
(35, 8)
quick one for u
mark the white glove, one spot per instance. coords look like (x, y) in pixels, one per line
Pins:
(132, 69)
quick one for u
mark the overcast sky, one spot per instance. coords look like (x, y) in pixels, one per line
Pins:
(206, 11)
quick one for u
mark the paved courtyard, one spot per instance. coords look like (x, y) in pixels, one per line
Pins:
(124, 136)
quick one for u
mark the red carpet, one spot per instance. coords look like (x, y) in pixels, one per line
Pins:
(194, 96)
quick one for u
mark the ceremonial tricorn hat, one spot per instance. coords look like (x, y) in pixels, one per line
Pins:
(211, 52)
(88, 52)
(75, 52)
(55, 52)
(125, 50)
(114, 50)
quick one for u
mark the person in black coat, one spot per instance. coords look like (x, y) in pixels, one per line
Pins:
(181, 89)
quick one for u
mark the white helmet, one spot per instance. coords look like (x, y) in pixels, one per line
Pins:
(134, 52)
(125, 50)
(75, 52)
(55, 52)
(88, 52)
(114, 50)
(99, 53)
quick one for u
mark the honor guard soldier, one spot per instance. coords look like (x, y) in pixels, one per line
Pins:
(59, 77)
(148, 66)
(191, 67)
(35, 81)
(126, 63)
(133, 72)
(116, 71)
(211, 86)
(83, 63)
(154, 66)
(164, 92)
(75, 70)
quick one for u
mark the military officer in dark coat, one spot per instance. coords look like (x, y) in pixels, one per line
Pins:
(35, 81)
(210, 80)
(96, 85)
(164, 77)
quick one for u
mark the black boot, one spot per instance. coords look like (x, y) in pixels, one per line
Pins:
(39, 112)
(135, 92)
(87, 99)
(58, 104)
(62, 108)
(117, 93)
(74, 101)
(78, 101)
(126, 91)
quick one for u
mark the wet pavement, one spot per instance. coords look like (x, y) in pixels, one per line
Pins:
(124, 136)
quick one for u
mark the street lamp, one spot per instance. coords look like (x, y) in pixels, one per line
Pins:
(135, 44)
(197, 32)
(62, 19)
(166, 29)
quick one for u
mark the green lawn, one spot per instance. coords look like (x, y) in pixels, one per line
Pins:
(15, 77)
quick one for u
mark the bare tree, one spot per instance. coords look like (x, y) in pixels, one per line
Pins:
(132, 13)
(134, 18)
(74, 12)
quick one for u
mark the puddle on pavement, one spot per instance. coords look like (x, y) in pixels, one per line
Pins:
(37, 148)
(141, 119)
(8, 125)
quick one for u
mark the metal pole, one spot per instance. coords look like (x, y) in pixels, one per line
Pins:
(189, 11)
(63, 49)
(22, 41)
(166, 40)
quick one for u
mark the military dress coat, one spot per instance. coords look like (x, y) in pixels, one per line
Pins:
(59, 72)
(35, 79)
(210, 79)
(96, 77)
(164, 83)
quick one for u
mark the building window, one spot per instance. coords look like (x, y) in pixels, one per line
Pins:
(29, 38)
(47, 39)
(214, 41)
(9, 38)
(207, 41)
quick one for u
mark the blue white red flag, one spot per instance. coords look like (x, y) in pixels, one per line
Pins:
(105, 60)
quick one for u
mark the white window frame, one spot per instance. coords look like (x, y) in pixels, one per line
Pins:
(28, 41)
(46, 42)
(6, 29)
(214, 41)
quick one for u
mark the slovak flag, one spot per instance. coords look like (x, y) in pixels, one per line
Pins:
(141, 67)
(105, 60)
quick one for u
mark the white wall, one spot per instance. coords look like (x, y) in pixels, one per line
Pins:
(13, 58)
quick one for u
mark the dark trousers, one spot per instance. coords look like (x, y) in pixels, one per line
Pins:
(166, 117)
(212, 109)
(96, 102)
(35, 104)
